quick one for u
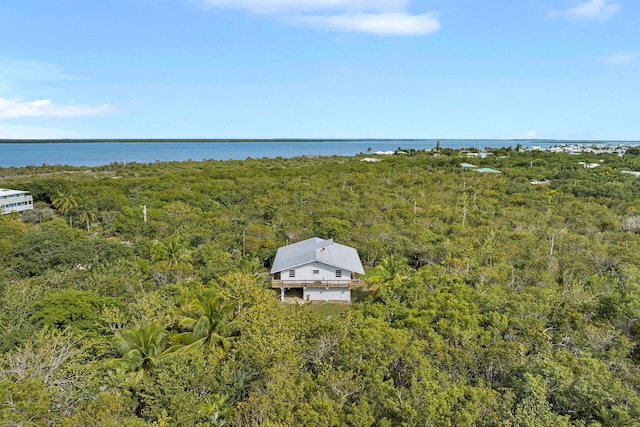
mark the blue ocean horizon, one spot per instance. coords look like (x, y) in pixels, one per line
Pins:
(90, 153)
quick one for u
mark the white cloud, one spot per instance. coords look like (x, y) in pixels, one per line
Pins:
(375, 23)
(18, 109)
(621, 57)
(599, 10)
(384, 17)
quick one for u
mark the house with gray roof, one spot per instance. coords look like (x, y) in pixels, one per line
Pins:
(316, 270)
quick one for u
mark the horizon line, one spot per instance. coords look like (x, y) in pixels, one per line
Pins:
(220, 140)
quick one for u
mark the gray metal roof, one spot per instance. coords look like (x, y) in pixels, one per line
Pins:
(8, 192)
(487, 170)
(320, 250)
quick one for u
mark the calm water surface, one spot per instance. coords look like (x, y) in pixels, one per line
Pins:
(103, 153)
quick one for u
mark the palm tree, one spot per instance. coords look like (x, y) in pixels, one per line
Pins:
(253, 267)
(64, 202)
(171, 253)
(87, 215)
(142, 350)
(241, 381)
(208, 322)
(390, 267)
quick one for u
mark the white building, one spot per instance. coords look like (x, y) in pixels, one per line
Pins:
(14, 201)
(589, 165)
(321, 269)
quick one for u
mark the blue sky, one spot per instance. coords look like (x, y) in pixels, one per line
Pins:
(561, 69)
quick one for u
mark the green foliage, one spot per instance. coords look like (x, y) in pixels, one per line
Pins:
(12, 234)
(171, 253)
(534, 410)
(389, 268)
(27, 402)
(44, 378)
(50, 245)
(64, 202)
(69, 307)
(497, 302)
(141, 350)
(123, 278)
(37, 215)
(186, 389)
(208, 321)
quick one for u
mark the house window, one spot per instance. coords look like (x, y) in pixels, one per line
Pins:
(316, 271)
(338, 273)
(292, 273)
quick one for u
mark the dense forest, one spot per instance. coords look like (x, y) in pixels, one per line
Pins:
(490, 301)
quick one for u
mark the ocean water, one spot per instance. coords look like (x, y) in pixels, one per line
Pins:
(18, 154)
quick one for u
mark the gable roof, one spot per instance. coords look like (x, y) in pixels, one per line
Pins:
(317, 250)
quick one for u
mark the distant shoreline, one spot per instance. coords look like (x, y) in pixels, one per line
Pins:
(285, 140)
(97, 152)
(174, 140)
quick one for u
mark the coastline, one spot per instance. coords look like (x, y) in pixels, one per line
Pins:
(307, 140)
(98, 152)
(186, 140)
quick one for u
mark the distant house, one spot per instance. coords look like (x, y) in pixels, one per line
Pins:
(589, 165)
(14, 201)
(316, 270)
(467, 166)
(481, 155)
(487, 170)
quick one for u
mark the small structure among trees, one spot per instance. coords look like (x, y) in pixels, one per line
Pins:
(14, 201)
(322, 269)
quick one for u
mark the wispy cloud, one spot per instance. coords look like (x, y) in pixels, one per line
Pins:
(12, 70)
(43, 108)
(382, 17)
(380, 23)
(621, 57)
(598, 10)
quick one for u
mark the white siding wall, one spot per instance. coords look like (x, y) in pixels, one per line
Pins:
(16, 201)
(323, 294)
(326, 272)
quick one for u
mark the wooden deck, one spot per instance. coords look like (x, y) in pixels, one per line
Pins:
(353, 283)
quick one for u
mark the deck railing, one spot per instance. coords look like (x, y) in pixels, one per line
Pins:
(352, 283)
